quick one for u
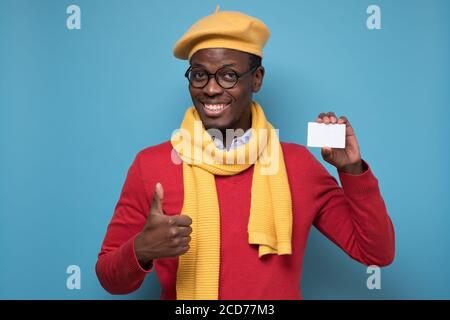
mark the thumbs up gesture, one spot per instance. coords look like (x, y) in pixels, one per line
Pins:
(162, 236)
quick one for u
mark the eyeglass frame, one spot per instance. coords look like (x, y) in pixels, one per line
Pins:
(239, 75)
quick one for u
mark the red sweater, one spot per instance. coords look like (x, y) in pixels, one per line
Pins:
(354, 217)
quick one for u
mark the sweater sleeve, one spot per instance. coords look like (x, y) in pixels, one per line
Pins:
(354, 216)
(117, 268)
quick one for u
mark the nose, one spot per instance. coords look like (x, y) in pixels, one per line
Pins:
(212, 88)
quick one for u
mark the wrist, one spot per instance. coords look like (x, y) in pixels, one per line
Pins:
(353, 169)
(141, 254)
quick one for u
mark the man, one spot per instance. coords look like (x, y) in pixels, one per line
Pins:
(216, 229)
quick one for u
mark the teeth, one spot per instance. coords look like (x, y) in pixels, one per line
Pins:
(215, 107)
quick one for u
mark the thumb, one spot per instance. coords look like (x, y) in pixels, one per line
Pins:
(326, 152)
(157, 201)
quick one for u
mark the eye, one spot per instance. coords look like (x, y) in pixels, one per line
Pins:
(198, 75)
(228, 75)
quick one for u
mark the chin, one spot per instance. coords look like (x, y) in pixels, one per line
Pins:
(217, 124)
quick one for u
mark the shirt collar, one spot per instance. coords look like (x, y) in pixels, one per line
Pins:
(237, 141)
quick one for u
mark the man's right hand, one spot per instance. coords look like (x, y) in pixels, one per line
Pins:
(162, 236)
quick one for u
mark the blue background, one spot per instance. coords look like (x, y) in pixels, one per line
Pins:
(77, 105)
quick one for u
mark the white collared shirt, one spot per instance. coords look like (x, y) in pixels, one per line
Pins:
(237, 141)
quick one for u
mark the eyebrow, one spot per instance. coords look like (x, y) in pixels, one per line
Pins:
(224, 65)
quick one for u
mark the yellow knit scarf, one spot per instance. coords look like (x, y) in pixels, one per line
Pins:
(270, 222)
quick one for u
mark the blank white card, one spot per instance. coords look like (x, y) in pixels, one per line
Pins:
(326, 135)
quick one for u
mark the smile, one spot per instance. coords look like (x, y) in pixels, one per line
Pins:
(215, 109)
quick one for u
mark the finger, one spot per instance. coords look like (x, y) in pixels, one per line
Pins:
(319, 120)
(321, 115)
(185, 241)
(326, 119)
(184, 231)
(326, 152)
(176, 231)
(182, 250)
(183, 220)
(332, 116)
(157, 200)
(343, 119)
(180, 242)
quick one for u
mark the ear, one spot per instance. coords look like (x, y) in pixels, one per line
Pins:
(258, 77)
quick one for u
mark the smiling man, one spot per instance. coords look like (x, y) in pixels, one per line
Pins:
(215, 229)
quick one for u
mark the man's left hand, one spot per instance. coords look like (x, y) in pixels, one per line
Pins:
(346, 160)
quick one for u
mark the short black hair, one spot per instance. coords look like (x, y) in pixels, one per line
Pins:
(254, 60)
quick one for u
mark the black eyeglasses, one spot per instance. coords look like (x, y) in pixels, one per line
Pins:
(225, 77)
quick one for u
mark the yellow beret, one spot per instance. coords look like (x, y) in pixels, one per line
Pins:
(224, 29)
